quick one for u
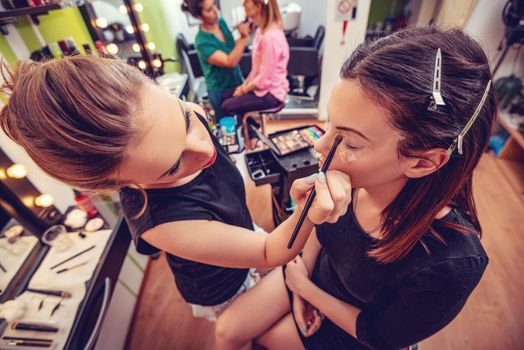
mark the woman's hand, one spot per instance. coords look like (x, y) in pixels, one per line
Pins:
(332, 199)
(308, 318)
(296, 275)
(239, 91)
(244, 29)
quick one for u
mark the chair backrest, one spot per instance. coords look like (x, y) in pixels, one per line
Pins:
(319, 37)
(189, 57)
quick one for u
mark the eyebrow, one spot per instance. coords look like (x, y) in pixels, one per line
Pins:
(343, 128)
(186, 120)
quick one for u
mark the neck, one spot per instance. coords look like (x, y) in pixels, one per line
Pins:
(209, 27)
(175, 183)
(383, 195)
(258, 20)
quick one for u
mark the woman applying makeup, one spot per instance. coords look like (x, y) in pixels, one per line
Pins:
(415, 109)
(266, 85)
(218, 52)
(100, 125)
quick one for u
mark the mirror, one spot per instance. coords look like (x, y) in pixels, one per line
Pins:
(118, 34)
(16, 243)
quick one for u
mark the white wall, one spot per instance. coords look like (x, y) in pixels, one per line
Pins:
(485, 24)
(176, 20)
(334, 53)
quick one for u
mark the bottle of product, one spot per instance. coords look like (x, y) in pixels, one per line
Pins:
(84, 202)
(100, 48)
(87, 49)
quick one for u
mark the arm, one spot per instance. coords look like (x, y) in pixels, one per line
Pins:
(221, 59)
(310, 252)
(266, 64)
(217, 243)
(423, 304)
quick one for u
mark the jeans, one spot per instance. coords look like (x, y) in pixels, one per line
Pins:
(248, 103)
(216, 96)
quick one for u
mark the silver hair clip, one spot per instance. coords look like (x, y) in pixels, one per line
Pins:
(436, 98)
(458, 142)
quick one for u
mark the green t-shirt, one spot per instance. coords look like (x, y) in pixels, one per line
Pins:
(217, 78)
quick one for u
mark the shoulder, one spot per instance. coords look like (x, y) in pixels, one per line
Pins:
(453, 275)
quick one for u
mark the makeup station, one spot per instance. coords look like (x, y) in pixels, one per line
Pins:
(289, 155)
(55, 291)
(56, 280)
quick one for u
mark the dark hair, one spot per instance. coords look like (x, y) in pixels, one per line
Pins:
(396, 72)
(194, 7)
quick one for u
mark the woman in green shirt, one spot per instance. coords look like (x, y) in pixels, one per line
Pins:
(218, 52)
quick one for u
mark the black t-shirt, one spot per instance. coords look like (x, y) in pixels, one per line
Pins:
(217, 193)
(403, 302)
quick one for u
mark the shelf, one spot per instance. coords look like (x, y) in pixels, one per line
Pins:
(37, 10)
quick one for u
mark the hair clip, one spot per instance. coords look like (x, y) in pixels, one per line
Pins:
(436, 98)
(459, 141)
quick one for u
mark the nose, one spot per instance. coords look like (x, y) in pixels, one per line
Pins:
(197, 145)
(322, 144)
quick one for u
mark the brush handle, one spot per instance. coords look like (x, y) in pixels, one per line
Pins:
(313, 193)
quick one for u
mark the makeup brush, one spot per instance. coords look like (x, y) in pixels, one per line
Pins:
(313, 193)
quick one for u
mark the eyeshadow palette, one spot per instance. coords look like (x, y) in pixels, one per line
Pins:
(230, 142)
(289, 141)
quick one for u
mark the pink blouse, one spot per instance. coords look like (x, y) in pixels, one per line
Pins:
(269, 58)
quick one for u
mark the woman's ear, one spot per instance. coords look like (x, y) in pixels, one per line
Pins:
(426, 162)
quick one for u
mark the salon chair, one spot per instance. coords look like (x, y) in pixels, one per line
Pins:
(305, 55)
(262, 115)
(191, 65)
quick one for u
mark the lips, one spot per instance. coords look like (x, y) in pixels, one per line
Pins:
(212, 159)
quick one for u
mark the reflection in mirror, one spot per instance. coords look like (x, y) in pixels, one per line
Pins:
(118, 33)
(16, 243)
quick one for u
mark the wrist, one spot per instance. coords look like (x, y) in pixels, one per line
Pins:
(306, 288)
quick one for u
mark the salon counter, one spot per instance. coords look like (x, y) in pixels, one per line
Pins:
(99, 289)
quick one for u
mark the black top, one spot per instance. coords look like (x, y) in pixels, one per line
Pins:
(402, 302)
(217, 193)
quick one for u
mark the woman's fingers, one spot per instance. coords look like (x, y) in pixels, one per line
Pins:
(333, 194)
(314, 323)
(323, 205)
(340, 191)
(298, 310)
(301, 188)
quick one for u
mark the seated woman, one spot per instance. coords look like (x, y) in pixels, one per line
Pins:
(266, 85)
(401, 263)
(218, 52)
(100, 125)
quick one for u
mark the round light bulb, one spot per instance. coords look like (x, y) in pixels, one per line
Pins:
(130, 29)
(101, 22)
(142, 65)
(44, 200)
(157, 63)
(144, 27)
(139, 7)
(123, 9)
(17, 171)
(136, 47)
(112, 49)
(151, 46)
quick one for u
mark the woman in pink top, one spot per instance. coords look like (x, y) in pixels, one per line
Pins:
(266, 85)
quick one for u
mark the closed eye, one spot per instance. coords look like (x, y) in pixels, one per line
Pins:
(174, 170)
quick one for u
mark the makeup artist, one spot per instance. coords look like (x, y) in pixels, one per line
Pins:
(101, 125)
(400, 265)
(218, 52)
